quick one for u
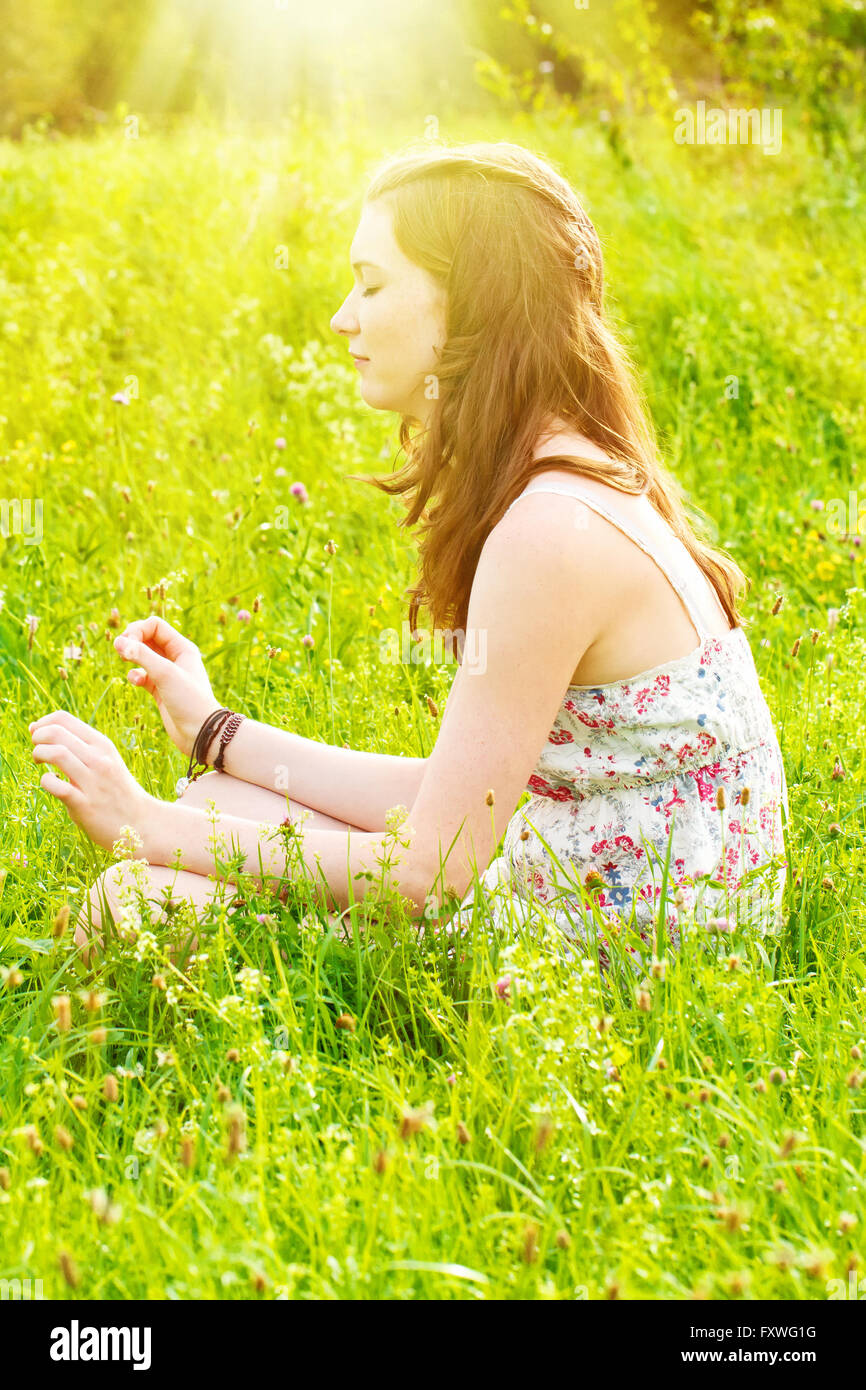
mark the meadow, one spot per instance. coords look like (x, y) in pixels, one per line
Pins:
(295, 1117)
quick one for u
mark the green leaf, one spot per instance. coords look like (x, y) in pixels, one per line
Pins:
(40, 945)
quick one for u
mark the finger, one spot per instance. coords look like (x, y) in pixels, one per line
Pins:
(54, 734)
(60, 756)
(155, 666)
(159, 636)
(138, 676)
(64, 791)
(65, 720)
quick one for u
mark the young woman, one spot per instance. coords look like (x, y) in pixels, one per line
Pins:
(617, 685)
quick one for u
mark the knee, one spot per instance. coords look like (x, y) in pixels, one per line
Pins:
(107, 894)
(98, 898)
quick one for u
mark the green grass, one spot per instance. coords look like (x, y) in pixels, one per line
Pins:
(710, 1141)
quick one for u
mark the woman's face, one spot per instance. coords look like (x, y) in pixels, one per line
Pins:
(393, 319)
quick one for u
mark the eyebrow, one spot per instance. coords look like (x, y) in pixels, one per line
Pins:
(356, 265)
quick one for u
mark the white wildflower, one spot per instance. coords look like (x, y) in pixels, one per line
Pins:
(127, 844)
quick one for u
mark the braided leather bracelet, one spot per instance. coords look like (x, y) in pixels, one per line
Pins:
(231, 727)
(224, 719)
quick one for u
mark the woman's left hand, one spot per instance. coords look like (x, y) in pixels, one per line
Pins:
(101, 796)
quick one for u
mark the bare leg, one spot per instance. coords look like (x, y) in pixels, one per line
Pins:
(239, 798)
(232, 795)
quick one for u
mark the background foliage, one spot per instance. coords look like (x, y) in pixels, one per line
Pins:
(290, 1117)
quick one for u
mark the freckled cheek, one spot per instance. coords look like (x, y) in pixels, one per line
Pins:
(406, 330)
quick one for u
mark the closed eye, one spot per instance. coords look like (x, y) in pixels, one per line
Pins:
(364, 293)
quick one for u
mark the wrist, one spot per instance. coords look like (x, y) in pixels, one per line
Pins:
(210, 752)
(148, 823)
(160, 832)
(205, 744)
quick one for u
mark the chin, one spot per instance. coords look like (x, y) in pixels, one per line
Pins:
(377, 400)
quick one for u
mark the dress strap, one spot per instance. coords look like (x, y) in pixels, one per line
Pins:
(679, 567)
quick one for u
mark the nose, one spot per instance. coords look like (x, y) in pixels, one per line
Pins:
(343, 321)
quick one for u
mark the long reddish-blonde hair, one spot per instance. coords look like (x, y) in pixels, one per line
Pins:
(527, 342)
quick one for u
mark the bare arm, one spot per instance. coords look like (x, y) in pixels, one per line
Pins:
(354, 786)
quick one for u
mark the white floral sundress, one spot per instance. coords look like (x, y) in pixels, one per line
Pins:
(635, 763)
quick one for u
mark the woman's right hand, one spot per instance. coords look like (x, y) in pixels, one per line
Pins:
(170, 667)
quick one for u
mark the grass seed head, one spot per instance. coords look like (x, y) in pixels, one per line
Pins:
(529, 1248)
(414, 1119)
(69, 1269)
(543, 1133)
(110, 1088)
(61, 921)
(62, 1006)
(237, 1139)
(732, 1217)
(815, 1265)
(33, 1140)
(63, 1138)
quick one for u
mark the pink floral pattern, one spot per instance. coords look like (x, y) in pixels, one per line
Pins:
(629, 766)
(634, 768)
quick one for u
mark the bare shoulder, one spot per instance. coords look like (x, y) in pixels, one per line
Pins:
(561, 528)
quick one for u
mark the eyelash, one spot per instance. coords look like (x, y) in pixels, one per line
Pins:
(364, 293)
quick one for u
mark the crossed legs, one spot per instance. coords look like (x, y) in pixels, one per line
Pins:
(232, 795)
